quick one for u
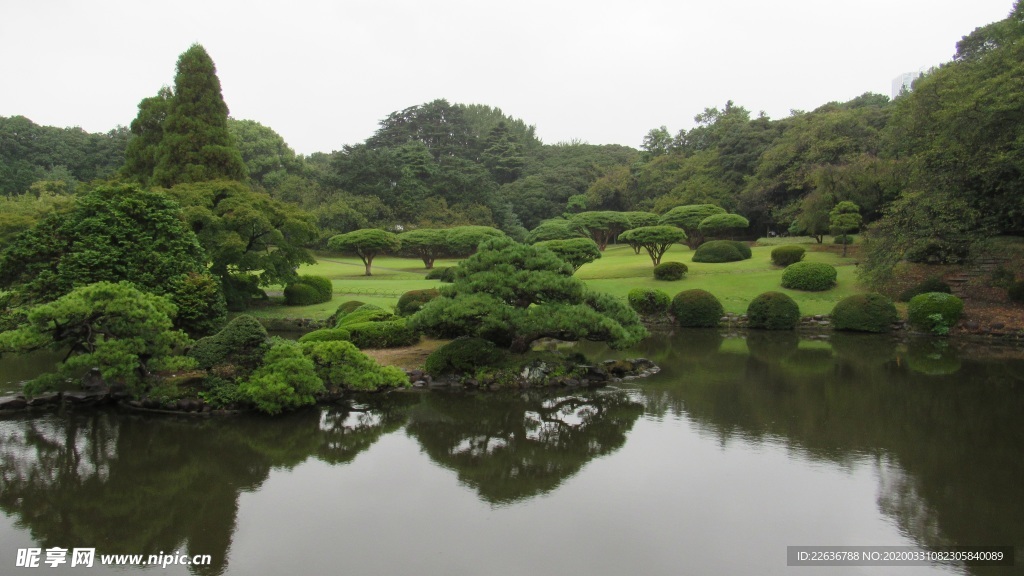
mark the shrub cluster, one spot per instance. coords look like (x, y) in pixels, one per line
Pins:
(413, 300)
(1016, 292)
(697, 309)
(809, 276)
(648, 302)
(382, 334)
(843, 239)
(342, 365)
(241, 342)
(786, 255)
(363, 314)
(933, 284)
(344, 309)
(443, 273)
(463, 356)
(308, 290)
(670, 271)
(285, 380)
(773, 311)
(935, 311)
(864, 313)
(718, 251)
(240, 290)
(326, 335)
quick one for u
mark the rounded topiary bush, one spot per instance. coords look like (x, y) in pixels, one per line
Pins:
(864, 313)
(388, 334)
(411, 302)
(648, 302)
(773, 311)
(809, 276)
(718, 251)
(326, 335)
(364, 313)
(462, 355)
(742, 247)
(444, 274)
(934, 311)
(344, 310)
(786, 255)
(670, 271)
(933, 284)
(241, 342)
(1016, 292)
(322, 285)
(697, 309)
(844, 239)
(301, 294)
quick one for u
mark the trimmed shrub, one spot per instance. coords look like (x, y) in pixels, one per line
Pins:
(240, 290)
(743, 248)
(285, 380)
(444, 274)
(773, 311)
(342, 365)
(718, 251)
(809, 276)
(933, 284)
(843, 239)
(363, 314)
(323, 286)
(242, 342)
(411, 302)
(326, 335)
(935, 311)
(648, 302)
(1016, 292)
(786, 255)
(697, 309)
(463, 356)
(300, 294)
(389, 334)
(670, 271)
(864, 313)
(344, 309)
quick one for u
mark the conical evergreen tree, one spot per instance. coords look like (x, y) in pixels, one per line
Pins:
(196, 145)
(143, 151)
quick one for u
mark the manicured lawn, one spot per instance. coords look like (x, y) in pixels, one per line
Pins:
(617, 272)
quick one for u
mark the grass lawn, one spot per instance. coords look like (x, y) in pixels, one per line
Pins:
(617, 272)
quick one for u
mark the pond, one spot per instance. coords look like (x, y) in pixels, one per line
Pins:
(736, 450)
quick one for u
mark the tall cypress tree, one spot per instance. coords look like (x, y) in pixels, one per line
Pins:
(196, 145)
(143, 151)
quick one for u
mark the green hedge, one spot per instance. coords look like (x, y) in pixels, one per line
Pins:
(844, 239)
(300, 294)
(718, 251)
(463, 356)
(786, 255)
(240, 290)
(242, 342)
(444, 274)
(670, 271)
(697, 309)
(773, 311)
(342, 365)
(864, 313)
(935, 311)
(933, 284)
(387, 334)
(365, 313)
(413, 300)
(326, 335)
(809, 276)
(648, 302)
(344, 309)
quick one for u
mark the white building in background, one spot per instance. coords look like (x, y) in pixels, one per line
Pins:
(906, 79)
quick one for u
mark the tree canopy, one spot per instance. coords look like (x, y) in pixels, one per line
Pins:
(656, 240)
(367, 244)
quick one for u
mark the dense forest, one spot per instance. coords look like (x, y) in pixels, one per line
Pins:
(932, 171)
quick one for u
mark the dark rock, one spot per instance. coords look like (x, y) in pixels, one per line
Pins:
(150, 403)
(84, 397)
(998, 325)
(819, 317)
(971, 325)
(12, 402)
(45, 399)
(93, 380)
(419, 384)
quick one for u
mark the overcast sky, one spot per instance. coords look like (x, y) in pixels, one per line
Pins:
(323, 73)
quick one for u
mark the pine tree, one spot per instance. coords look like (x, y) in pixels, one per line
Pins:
(196, 145)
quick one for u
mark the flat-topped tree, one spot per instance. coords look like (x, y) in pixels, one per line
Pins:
(463, 240)
(655, 239)
(575, 251)
(689, 218)
(722, 225)
(512, 294)
(554, 229)
(367, 244)
(427, 244)
(637, 220)
(602, 226)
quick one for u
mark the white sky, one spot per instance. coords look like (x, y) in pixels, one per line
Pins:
(323, 73)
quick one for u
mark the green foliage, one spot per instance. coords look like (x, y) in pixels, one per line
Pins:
(326, 335)
(220, 393)
(864, 313)
(366, 244)
(340, 364)
(285, 380)
(196, 145)
(575, 251)
(1016, 292)
(364, 313)
(786, 255)
(241, 343)
(648, 302)
(323, 286)
(267, 157)
(444, 274)
(689, 218)
(554, 229)
(382, 334)
(844, 239)
(428, 244)
(670, 271)
(935, 312)
(697, 309)
(240, 290)
(718, 225)
(656, 240)
(411, 302)
(602, 227)
(512, 294)
(464, 240)
(301, 294)
(773, 311)
(123, 331)
(719, 251)
(201, 305)
(809, 276)
(464, 355)
(933, 284)
(343, 310)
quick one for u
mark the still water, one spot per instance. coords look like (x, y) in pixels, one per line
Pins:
(736, 450)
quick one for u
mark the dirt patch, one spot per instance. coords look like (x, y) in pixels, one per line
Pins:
(409, 357)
